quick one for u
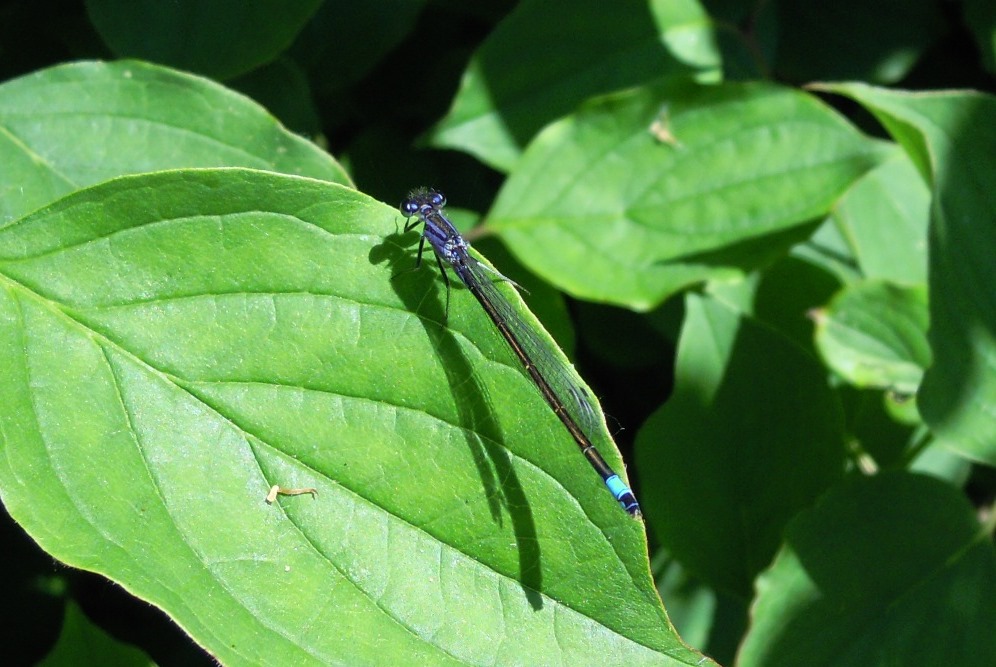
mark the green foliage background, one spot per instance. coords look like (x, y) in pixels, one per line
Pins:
(763, 232)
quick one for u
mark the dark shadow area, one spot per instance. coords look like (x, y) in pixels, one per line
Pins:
(423, 292)
(33, 598)
(134, 621)
(34, 601)
(628, 361)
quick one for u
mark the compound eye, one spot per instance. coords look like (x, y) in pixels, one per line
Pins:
(409, 207)
(438, 199)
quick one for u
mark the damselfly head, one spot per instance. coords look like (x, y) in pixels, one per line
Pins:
(421, 198)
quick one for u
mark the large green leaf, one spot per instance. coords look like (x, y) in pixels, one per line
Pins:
(545, 59)
(641, 194)
(176, 343)
(950, 136)
(76, 125)
(889, 570)
(751, 435)
(220, 38)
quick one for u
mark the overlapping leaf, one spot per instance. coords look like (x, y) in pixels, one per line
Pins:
(642, 194)
(884, 221)
(543, 61)
(875, 335)
(76, 125)
(951, 138)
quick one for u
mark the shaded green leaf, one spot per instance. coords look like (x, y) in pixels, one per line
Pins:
(178, 342)
(76, 125)
(542, 61)
(344, 40)
(888, 570)
(980, 18)
(218, 38)
(751, 435)
(282, 88)
(851, 39)
(82, 643)
(787, 293)
(883, 428)
(641, 194)
(874, 334)
(951, 138)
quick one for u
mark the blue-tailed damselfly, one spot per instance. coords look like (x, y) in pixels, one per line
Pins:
(556, 381)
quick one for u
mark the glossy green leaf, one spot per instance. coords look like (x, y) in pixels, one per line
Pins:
(884, 220)
(751, 435)
(642, 194)
(888, 570)
(219, 38)
(76, 125)
(951, 138)
(176, 343)
(874, 334)
(542, 61)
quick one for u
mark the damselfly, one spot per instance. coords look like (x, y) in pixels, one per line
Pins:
(555, 379)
